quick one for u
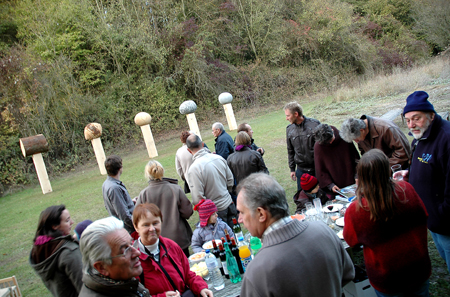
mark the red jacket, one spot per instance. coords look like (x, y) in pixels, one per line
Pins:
(156, 281)
(396, 251)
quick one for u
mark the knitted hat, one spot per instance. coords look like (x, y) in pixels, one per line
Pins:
(308, 182)
(81, 226)
(418, 101)
(205, 209)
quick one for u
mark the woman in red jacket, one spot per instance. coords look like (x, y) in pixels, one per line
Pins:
(165, 267)
(390, 221)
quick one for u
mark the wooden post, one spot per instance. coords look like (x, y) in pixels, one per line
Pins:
(193, 126)
(92, 132)
(225, 99)
(188, 108)
(143, 119)
(35, 145)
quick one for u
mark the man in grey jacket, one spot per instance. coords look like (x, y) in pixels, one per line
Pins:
(209, 177)
(118, 202)
(297, 258)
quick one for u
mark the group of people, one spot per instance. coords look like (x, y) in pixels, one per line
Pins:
(392, 209)
(142, 248)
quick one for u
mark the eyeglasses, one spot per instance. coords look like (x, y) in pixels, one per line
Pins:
(127, 251)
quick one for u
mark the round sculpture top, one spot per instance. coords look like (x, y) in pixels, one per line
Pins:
(188, 107)
(225, 98)
(142, 119)
(92, 131)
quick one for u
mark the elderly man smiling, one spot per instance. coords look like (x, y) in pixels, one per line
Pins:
(297, 258)
(110, 261)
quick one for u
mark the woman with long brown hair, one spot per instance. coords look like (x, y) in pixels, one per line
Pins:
(390, 221)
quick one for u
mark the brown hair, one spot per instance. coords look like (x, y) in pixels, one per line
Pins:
(376, 185)
(154, 170)
(242, 138)
(242, 127)
(142, 210)
(50, 217)
(113, 164)
(184, 135)
(294, 107)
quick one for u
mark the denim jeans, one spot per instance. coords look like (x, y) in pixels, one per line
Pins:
(421, 291)
(299, 172)
(442, 243)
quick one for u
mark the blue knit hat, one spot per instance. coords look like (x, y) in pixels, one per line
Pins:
(418, 101)
(81, 226)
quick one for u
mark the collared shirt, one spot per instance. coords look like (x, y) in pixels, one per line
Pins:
(277, 225)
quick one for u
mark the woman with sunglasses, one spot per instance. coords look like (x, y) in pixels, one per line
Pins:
(55, 255)
(390, 221)
(166, 270)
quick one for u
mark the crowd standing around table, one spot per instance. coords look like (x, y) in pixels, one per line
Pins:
(143, 248)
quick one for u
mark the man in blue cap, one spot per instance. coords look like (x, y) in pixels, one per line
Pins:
(429, 170)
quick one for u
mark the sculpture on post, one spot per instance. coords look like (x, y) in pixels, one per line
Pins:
(34, 146)
(92, 132)
(225, 99)
(143, 119)
(188, 108)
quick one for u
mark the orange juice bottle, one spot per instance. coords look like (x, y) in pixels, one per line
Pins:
(244, 253)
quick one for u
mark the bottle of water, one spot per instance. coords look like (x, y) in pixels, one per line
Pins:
(214, 272)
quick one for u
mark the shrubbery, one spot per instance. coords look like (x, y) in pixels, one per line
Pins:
(65, 64)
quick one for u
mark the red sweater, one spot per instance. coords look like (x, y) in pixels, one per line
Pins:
(156, 281)
(395, 252)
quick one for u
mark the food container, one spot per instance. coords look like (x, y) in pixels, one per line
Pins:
(197, 257)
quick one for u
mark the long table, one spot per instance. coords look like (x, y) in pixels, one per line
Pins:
(230, 290)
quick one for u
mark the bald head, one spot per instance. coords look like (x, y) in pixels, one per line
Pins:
(194, 143)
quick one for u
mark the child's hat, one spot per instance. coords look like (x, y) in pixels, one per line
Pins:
(205, 209)
(81, 227)
(308, 182)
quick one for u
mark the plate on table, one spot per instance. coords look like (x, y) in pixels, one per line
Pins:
(298, 216)
(333, 208)
(209, 246)
(340, 234)
(340, 222)
(197, 257)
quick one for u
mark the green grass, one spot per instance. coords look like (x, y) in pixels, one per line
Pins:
(81, 192)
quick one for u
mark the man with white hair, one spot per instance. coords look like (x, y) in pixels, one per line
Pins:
(297, 258)
(110, 261)
(429, 170)
(224, 143)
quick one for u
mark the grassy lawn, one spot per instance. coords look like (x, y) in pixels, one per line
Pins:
(81, 192)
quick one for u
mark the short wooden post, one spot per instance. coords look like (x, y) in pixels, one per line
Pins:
(143, 120)
(225, 99)
(92, 132)
(34, 146)
(188, 108)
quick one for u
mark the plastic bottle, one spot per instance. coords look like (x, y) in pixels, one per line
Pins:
(244, 253)
(232, 266)
(255, 245)
(214, 272)
(235, 252)
(237, 229)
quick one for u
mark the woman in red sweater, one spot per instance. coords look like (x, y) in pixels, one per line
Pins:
(390, 221)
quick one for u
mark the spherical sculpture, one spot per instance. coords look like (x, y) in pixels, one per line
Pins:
(92, 131)
(225, 98)
(188, 107)
(142, 119)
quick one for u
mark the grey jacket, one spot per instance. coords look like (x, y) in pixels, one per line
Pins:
(300, 144)
(175, 207)
(209, 177)
(97, 286)
(299, 259)
(61, 272)
(118, 202)
(210, 232)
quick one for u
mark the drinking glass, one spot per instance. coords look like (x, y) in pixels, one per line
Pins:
(395, 168)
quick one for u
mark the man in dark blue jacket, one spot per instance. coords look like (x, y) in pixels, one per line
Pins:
(224, 143)
(429, 170)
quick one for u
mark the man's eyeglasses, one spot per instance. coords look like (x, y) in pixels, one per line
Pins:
(127, 251)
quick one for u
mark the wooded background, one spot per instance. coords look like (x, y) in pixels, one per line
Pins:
(67, 63)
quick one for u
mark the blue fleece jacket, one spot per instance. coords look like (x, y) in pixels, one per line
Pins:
(429, 173)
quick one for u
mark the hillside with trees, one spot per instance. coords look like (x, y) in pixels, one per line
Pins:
(67, 63)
